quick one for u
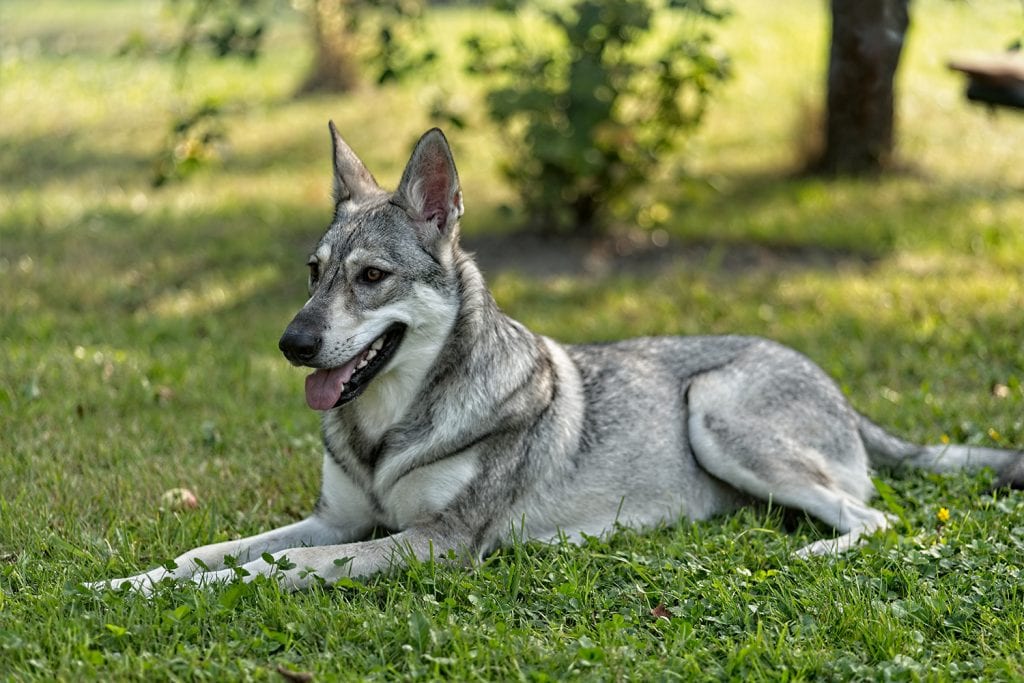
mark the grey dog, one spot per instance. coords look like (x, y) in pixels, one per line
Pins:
(460, 429)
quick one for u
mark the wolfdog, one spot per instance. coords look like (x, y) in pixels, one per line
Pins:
(459, 429)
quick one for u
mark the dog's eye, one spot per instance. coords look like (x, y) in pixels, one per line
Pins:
(372, 275)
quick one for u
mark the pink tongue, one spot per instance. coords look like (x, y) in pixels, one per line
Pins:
(324, 387)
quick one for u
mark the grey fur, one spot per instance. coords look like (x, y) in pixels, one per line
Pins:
(477, 429)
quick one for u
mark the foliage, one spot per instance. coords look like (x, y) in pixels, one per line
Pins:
(228, 28)
(348, 35)
(593, 112)
(194, 141)
(396, 54)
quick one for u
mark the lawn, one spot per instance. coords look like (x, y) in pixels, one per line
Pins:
(139, 332)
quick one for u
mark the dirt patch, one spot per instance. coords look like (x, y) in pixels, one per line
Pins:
(643, 253)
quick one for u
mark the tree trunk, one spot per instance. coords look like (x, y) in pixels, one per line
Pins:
(334, 67)
(867, 39)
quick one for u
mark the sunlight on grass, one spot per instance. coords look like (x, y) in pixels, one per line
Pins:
(213, 294)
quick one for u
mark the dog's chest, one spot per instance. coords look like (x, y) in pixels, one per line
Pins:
(400, 488)
(424, 491)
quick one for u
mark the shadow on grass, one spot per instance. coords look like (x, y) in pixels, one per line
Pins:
(29, 162)
(771, 223)
(856, 216)
(639, 253)
(754, 222)
(243, 261)
(135, 278)
(73, 156)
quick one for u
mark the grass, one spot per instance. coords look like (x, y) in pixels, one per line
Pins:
(139, 331)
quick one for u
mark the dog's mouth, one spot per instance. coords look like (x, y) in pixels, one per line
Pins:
(332, 387)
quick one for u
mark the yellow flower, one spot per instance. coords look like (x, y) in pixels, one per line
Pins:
(943, 515)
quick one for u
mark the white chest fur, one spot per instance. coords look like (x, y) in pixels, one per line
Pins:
(427, 490)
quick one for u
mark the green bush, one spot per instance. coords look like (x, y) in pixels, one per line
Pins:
(594, 98)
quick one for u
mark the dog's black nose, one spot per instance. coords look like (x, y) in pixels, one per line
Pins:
(299, 346)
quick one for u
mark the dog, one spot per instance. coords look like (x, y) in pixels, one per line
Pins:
(461, 430)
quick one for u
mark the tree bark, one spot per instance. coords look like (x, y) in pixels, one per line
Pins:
(334, 67)
(867, 40)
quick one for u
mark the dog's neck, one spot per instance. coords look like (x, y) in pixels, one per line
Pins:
(481, 327)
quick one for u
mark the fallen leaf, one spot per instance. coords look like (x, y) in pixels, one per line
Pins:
(661, 612)
(163, 395)
(178, 499)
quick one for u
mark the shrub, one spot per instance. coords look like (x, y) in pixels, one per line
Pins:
(593, 98)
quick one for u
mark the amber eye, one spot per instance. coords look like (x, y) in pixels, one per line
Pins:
(372, 275)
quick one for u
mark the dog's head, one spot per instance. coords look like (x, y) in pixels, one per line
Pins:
(380, 274)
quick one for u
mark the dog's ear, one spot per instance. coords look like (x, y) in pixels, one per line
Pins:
(429, 191)
(351, 179)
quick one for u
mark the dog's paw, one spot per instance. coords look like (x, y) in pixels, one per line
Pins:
(142, 584)
(824, 547)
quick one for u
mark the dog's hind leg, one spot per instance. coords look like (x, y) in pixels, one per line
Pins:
(796, 449)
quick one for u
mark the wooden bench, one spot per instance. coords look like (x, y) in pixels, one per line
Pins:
(997, 80)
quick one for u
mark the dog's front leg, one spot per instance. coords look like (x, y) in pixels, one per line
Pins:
(311, 531)
(297, 568)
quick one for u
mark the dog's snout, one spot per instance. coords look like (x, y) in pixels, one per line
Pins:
(299, 346)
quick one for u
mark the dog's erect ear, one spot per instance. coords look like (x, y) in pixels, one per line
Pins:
(429, 190)
(351, 179)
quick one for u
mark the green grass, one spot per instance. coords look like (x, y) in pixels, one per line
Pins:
(139, 328)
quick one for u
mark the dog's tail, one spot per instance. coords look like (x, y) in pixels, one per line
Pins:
(886, 449)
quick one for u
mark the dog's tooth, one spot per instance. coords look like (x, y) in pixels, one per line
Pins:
(370, 354)
(362, 364)
(376, 346)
